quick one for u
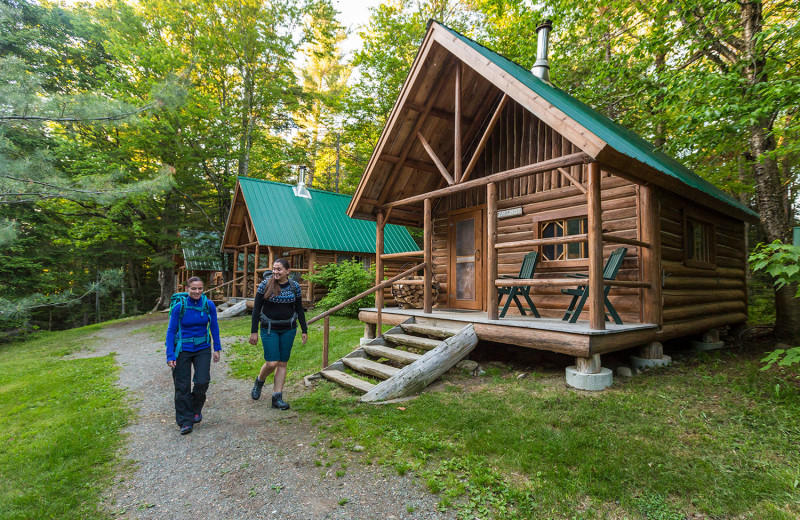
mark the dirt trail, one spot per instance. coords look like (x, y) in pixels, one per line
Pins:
(244, 461)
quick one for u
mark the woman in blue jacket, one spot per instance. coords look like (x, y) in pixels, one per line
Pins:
(188, 334)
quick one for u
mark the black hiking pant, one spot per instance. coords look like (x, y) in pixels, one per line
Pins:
(189, 401)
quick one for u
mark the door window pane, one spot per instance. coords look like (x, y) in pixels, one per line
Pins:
(465, 281)
(465, 238)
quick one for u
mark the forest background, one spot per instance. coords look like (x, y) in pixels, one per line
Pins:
(124, 123)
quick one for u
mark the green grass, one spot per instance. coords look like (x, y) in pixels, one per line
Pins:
(712, 436)
(60, 422)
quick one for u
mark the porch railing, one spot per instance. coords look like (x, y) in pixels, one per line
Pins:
(325, 316)
(223, 285)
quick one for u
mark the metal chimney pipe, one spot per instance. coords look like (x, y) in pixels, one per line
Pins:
(541, 69)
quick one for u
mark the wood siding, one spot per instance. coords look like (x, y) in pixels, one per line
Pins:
(696, 299)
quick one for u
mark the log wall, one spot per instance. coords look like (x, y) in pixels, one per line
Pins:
(620, 208)
(696, 299)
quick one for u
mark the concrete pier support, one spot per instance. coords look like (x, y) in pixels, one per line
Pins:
(650, 355)
(710, 341)
(587, 374)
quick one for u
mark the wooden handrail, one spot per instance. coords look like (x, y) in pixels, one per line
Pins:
(326, 315)
(223, 285)
(405, 254)
(377, 288)
(564, 282)
(569, 239)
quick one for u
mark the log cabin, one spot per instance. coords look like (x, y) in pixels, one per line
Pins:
(308, 227)
(494, 162)
(199, 257)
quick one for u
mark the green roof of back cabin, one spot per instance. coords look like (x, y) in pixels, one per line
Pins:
(591, 132)
(280, 218)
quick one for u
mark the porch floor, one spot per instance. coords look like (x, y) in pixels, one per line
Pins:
(541, 333)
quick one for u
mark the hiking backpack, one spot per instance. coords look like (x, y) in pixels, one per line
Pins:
(180, 298)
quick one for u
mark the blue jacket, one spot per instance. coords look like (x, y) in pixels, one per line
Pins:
(194, 324)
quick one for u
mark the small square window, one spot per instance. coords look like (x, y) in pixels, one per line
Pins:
(699, 248)
(562, 228)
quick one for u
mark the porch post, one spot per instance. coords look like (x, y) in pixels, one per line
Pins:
(255, 268)
(379, 269)
(271, 256)
(595, 287)
(491, 251)
(650, 227)
(235, 271)
(427, 292)
(245, 286)
(312, 259)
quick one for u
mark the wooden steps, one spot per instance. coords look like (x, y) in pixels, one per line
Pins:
(347, 380)
(382, 351)
(409, 340)
(443, 347)
(369, 367)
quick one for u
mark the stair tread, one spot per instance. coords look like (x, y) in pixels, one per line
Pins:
(413, 341)
(391, 353)
(345, 379)
(373, 368)
(429, 330)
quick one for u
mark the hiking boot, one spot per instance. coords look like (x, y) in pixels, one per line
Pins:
(278, 402)
(186, 429)
(255, 393)
(198, 417)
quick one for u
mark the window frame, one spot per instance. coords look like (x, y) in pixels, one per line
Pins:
(551, 216)
(693, 217)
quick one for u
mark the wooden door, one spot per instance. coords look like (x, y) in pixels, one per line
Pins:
(466, 276)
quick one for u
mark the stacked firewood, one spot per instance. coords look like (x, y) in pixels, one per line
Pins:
(411, 295)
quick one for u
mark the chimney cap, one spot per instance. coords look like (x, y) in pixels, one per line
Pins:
(545, 24)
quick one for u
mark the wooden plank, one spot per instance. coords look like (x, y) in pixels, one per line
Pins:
(595, 250)
(545, 166)
(401, 356)
(439, 165)
(684, 328)
(369, 367)
(404, 254)
(409, 340)
(337, 376)
(437, 331)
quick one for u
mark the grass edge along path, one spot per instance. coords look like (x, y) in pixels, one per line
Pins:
(60, 427)
(711, 437)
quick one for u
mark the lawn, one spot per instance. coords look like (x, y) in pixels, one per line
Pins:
(711, 436)
(60, 422)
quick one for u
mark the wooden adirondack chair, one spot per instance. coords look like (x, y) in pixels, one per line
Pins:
(525, 273)
(580, 293)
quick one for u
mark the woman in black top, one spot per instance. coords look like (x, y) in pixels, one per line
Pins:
(278, 307)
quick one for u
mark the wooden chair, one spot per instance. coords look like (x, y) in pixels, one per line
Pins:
(580, 293)
(525, 273)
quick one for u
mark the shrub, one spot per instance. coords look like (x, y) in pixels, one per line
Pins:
(343, 281)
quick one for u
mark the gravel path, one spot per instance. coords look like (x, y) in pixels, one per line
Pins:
(245, 460)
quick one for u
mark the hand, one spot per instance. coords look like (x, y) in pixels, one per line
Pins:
(171, 364)
(254, 338)
(305, 338)
(216, 356)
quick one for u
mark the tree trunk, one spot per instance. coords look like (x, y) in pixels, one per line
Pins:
(166, 280)
(769, 188)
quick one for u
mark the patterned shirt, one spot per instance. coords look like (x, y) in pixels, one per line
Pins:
(280, 307)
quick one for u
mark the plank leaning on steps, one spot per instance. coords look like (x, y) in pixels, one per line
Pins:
(394, 354)
(369, 367)
(412, 341)
(428, 330)
(337, 376)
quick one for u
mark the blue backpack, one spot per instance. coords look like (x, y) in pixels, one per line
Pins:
(180, 298)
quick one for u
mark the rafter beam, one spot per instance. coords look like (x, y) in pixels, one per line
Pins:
(411, 163)
(485, 138)
(457, 130)
(544, 166)
(439, 113)
(436, 159)
(573, 180)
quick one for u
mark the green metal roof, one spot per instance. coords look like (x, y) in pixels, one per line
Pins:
(201, 250)
(321, 222)
(617, 136)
